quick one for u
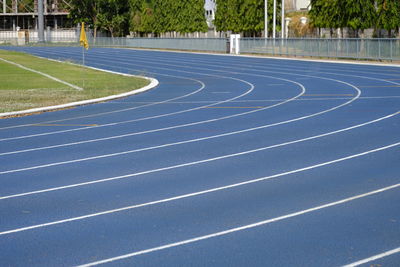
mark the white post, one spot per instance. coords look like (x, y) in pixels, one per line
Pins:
(274, 22)
(266, 18)
(4, 7)
(287, 22)
(237, 44)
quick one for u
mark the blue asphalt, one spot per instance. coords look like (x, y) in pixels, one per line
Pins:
(191, 153)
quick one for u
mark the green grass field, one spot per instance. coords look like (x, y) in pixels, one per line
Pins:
(22, 89)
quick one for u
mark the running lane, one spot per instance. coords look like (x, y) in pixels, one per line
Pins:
(230, 161)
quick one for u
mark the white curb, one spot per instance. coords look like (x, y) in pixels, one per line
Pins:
(153, 84)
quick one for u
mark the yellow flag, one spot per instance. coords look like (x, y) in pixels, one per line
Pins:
(82, 39)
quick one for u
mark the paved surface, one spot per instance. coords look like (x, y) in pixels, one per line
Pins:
(230, 161)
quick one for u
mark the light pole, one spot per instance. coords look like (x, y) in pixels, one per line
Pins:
(266, 18)
(283, 19)
(40, 21)
(274, 22)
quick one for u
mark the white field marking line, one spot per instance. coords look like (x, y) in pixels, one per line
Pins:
(141, 119)
(43, 74)
(376, 257)
(199, 192)
(242, 228)
(303, 90)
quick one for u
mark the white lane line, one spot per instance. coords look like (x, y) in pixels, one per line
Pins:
(242, 228)
(260, 101)
(265, 66)
(192, 163)
(225, 71)
(188, 164)
(276, 65)
(376, 257)
(157, 62)
(145, 118)
(198, 193)
(303, 90)
(43, 74)
(202, 86)
(102, 59)
(284, 101)
(83, 128)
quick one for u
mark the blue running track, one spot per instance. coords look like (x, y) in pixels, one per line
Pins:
(230, 161)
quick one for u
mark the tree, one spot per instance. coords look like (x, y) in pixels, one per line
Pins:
(327, 14)
(161, 16)
(358, 14)
(246, 16)
(86, 11)
(113, 17)
(388, 13)
(191, 16)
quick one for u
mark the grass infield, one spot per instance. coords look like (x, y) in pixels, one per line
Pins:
(21, 89)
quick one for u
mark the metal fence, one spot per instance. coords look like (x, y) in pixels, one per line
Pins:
(192, 44)
(362, 49)
(27, 37)
(359, 49)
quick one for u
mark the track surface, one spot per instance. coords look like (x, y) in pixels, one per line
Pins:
(230, 161)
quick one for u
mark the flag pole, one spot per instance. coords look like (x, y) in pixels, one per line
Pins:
(83, 69)
(85, 45)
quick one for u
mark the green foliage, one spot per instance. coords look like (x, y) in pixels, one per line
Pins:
(114, 17)
(238, 16)
(355, 14)
(358, 14)
(388, 12)
(161, 16)
(246, 16)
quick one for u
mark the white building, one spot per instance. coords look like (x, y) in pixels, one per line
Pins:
(296, 5)
(302, 4)
(210, 7)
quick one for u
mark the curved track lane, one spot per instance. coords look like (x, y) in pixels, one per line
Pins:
(231, 161)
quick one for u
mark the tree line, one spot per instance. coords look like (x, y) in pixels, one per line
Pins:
(356, 15)
(120, 17)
